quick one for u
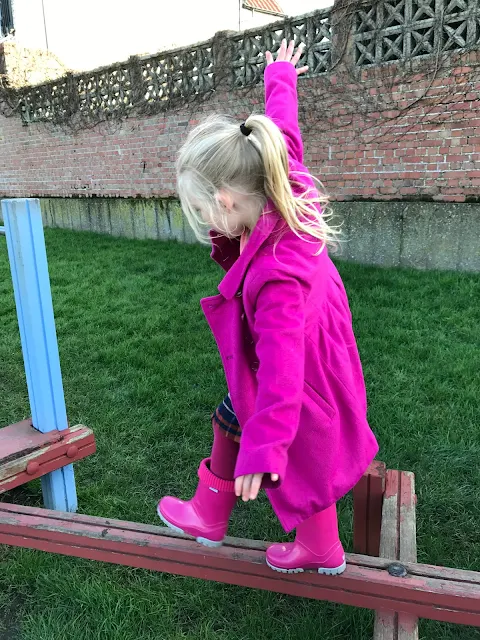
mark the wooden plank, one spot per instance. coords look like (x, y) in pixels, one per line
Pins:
(389, 542)
(428, 571)
(451, 596)
(28, 454)
(407, 623)
(398, 542)
(22, 437)
(395, 626)
(360, 515)
(377, 489)
(408, 519)
(367, 510)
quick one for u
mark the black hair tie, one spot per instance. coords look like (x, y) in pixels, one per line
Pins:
(245, 130)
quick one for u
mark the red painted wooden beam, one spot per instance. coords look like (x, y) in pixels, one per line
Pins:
(428, 592)
(26, 454)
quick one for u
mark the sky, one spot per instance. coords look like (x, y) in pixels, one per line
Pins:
(92, 33)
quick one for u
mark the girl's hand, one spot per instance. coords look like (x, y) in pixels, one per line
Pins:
(286, 55)
(249, 486)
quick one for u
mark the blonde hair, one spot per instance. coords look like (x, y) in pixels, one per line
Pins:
(216, 155)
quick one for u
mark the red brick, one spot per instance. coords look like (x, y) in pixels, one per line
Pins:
(445, 198)
(435, 158)
(414, 159)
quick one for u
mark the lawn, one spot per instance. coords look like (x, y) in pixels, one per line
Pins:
(141, 368)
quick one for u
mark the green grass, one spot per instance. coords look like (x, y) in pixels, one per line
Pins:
(140, 366)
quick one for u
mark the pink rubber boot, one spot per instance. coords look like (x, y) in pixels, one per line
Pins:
(206, 516)
(317, 546)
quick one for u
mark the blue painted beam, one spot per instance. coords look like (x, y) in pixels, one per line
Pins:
(28, 263)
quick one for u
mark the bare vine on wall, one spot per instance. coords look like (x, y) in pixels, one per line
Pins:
(10, 100)
(386, 79)
(371, 73)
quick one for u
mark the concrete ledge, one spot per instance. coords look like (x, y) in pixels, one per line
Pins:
(422, 235)
(126, 217)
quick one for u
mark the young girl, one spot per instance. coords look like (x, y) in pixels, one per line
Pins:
(294, 421)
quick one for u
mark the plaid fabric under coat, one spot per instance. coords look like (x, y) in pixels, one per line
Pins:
(226, 419)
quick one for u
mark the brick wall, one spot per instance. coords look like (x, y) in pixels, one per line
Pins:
(429, 153)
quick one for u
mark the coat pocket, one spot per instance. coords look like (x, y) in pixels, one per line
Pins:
(319, 400)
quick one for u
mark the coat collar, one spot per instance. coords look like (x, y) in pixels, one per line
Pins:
(232, 282)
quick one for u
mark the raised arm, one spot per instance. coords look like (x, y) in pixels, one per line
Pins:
(281, 102)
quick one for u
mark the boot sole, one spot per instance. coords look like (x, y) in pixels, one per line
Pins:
(334, 571)
(213, 544)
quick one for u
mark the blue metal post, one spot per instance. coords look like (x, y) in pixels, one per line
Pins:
(31, 284)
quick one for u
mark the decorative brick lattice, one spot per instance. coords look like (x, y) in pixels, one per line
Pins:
(44, 102)
(108, 91)
(178, 74)
(390, 30)
(248, 57)
(117, 90)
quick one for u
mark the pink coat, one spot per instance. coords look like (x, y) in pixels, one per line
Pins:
(284, 331)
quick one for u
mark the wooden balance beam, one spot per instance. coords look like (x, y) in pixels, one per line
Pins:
(436, 593)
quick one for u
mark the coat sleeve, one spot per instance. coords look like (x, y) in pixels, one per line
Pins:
(281, 105)
(279, 329)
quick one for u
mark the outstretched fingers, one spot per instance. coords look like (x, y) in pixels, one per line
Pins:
(302, 70)
(298, 54)
(289, 52)
(286, 54)
(282, 52)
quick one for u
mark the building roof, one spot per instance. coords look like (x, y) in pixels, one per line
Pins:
(264, 6)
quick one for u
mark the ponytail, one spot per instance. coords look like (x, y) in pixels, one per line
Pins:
(304, 212)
